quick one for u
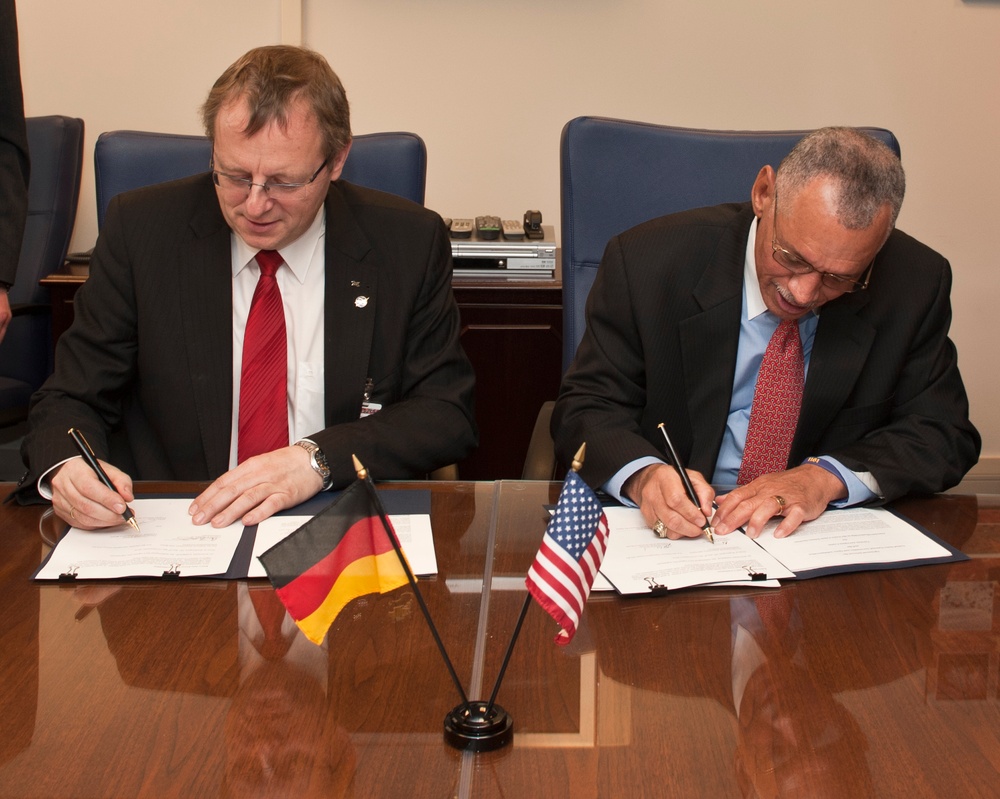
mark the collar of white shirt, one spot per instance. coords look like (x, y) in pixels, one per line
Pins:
(297, 256)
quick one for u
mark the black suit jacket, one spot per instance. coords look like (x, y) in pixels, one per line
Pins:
(13, 147)
(883, 392)
(146, 368)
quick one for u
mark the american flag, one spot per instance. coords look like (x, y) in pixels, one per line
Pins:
(570, 556)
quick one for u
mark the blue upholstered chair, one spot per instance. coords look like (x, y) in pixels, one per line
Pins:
(392, 162)
(130, 159)
(55, 145)
(616, 174)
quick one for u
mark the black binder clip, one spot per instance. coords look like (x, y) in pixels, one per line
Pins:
(173, 573)
(69, 575)
(755, 576)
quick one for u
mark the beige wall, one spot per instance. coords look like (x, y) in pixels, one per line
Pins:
(489, 86)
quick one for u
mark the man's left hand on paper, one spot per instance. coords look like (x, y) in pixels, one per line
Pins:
(798, 495)
(257, 489)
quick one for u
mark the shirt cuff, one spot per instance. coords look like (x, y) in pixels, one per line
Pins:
(44, 484)
(861, 486)
(619, 478)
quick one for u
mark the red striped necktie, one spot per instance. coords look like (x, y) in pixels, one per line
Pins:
(777, 400)
(263, 420)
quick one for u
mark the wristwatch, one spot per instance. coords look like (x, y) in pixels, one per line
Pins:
(317, 460)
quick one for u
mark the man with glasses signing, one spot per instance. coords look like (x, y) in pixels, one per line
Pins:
(258, 324)
(797, 351)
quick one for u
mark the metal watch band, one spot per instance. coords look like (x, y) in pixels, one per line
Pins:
(317, 460)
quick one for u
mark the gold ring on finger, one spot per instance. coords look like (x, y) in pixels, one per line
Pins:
(781, 504)
(660, 528)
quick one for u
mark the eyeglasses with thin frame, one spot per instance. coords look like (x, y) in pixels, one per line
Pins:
(234, 183)
(797, 266)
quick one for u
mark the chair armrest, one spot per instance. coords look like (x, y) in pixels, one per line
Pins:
(30, 309)
(449, 472)
(540, 460)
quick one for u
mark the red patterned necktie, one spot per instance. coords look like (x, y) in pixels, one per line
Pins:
(776, 403)
(263, 422)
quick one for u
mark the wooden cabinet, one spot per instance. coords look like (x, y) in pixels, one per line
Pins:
(62, 286)
(512, 333)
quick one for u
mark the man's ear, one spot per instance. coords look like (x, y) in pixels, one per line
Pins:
(762, 191)
(339, 161)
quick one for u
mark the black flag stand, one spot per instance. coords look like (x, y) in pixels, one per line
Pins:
(491, 709)
(477, 726)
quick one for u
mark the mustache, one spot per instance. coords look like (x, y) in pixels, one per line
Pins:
(786, 295)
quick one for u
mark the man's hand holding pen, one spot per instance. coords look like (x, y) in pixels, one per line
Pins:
(804, 493)
(81, 499)
(660, 495)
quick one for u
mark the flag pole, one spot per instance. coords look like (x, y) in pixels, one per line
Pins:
(365, 477)
(576, 465)
(470, 725)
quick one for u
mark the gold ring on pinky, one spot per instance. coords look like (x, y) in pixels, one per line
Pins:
(660, 528)
(72, 512)
(781, 504)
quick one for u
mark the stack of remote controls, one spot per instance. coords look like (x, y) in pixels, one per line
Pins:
(492, 228)
(493, 248)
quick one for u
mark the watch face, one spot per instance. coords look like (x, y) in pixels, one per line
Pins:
(321, 463)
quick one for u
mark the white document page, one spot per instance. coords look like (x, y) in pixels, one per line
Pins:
(412, 529)
(637, 561)
(850, 536)
(168, 542)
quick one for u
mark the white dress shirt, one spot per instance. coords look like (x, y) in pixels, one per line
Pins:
(301, 281)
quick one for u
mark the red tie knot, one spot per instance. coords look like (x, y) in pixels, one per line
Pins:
(787, 332)
(269, 261)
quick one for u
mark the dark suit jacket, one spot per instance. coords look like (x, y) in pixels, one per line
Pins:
(146, 368)
(883, 392)
(13, 147)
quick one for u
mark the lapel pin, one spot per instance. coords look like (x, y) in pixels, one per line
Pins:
(355, 284)
(360, 302)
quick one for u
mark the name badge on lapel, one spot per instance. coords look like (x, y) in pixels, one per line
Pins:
(367, 406)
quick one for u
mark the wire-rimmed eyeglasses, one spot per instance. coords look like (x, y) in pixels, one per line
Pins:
(234, 183)
(797, 266)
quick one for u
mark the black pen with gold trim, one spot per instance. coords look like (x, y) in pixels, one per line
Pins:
(679, 466)
(83, 447)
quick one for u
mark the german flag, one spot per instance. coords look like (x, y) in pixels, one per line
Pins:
(338, 555)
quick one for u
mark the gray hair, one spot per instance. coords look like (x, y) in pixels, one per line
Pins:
(868, 173)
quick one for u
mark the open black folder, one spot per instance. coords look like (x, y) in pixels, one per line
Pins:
(103, 559)
(848, 540)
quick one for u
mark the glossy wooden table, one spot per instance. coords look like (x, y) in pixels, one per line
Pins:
(878, 684)
(872, 684)
(147, 689)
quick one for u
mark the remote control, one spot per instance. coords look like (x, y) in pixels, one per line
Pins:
(488, 227)
(461, 228)
(533, 224)
(513, 230)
